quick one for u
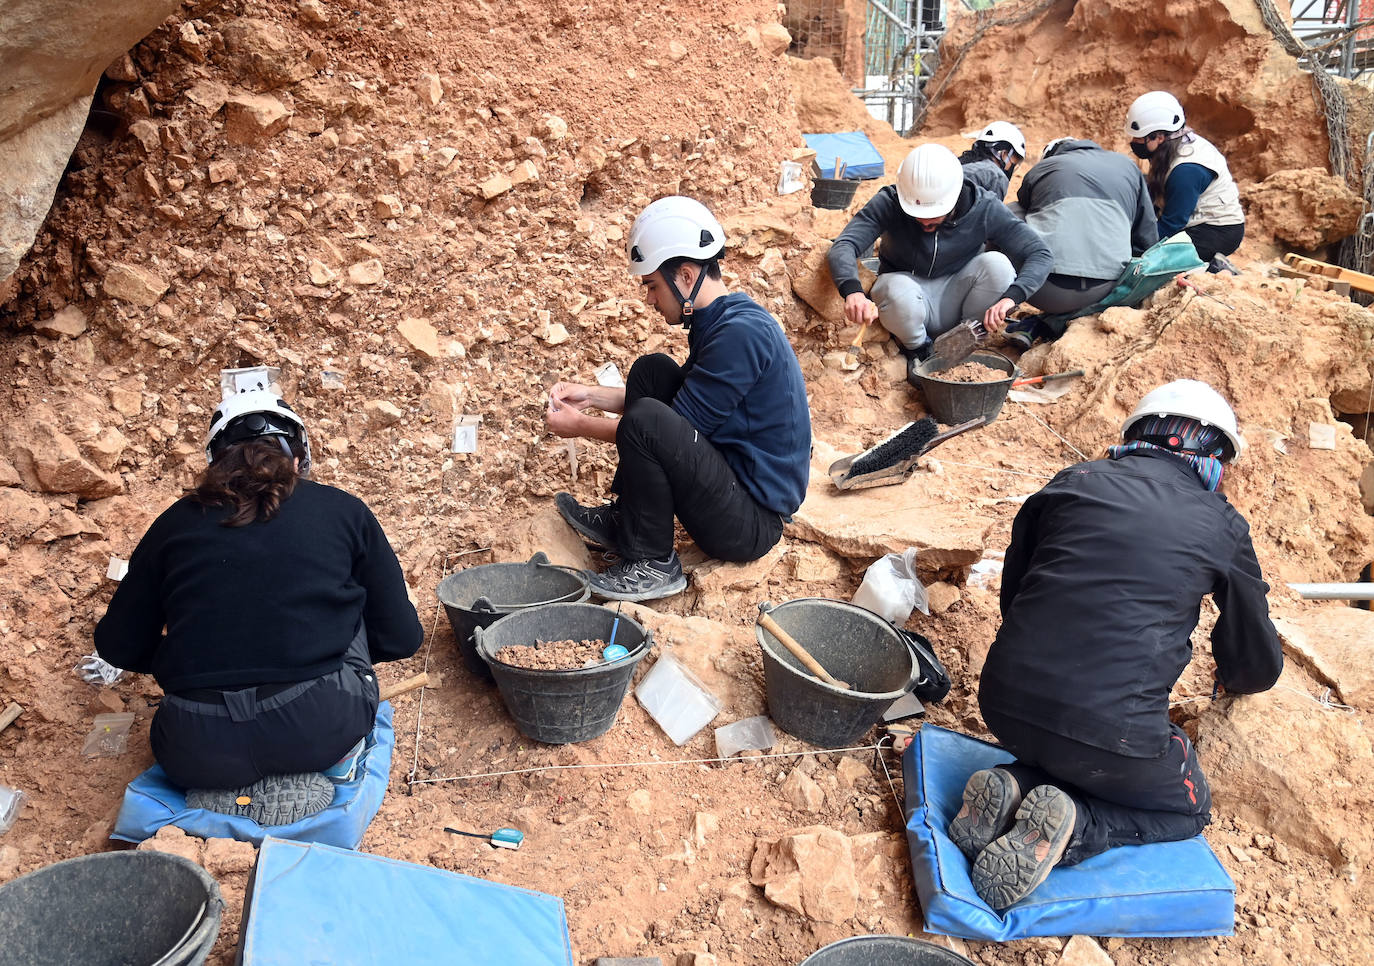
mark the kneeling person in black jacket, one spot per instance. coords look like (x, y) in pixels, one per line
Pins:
(1107, 567)
(259, 601)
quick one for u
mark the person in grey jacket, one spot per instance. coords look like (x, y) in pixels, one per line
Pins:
(1092, 206)
(992, 158)
(932, 228)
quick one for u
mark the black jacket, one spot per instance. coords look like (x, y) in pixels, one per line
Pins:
(1107, 567)
(978, 219)
(272, 602)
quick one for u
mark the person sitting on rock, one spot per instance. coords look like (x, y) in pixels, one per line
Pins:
(1092, 206)
(259, 601)
(722, 441)
(1188, 178)
(1101, 587)
(992, 159)
(932, 227)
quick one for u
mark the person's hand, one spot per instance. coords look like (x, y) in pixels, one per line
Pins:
(996, 317)
(859, 308)
(569, 395)
(563, 420)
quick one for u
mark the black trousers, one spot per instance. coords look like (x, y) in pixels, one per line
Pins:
(1120, 800)
(668, 469)
(1210, 240)
(229, 739)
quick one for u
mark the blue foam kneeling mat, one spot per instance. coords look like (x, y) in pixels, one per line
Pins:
(152, 801)
(862, 159)
(316, 904)
(1165, 889)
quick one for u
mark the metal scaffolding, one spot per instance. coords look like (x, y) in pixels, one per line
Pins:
(901, 52)
(1340, 39)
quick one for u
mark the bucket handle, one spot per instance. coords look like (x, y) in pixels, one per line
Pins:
(645, 646)
(485, 605)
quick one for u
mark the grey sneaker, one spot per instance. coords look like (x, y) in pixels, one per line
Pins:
(636, 580)
(1219, 264)
(597, 525)
(991, 799)
(1014, 864)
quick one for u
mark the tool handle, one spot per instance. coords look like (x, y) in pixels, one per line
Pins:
(801, 653)
(859, 339)
(7, 717)
(1042, 380)
(422, 680)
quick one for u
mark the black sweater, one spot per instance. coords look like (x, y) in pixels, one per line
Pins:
(272, 602)
(1107, 567)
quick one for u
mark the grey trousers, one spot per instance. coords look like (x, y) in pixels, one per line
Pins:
(915, 309)
(1054, 299)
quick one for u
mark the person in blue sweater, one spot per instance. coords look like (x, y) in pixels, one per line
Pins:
(259, 601)
(1188, 178)
(721, 442)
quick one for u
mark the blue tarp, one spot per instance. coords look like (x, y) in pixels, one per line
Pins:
(861, 157)
(152, 801)
(1166, 889)
(331, 907)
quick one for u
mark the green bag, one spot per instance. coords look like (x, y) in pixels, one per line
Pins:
(1143, 276)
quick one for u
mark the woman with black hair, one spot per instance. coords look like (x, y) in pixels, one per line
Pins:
(1188, 179)
(260, 601)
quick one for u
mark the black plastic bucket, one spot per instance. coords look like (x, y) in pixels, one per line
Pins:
(884, 951)
(559, 707)
(480, 596)
(958, 402)
(834, 193)
(110, 909)
(857, 647)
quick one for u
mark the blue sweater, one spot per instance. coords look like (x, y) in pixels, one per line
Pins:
(743, 390)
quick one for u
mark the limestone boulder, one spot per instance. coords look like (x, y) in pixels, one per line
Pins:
(814, 286)
(1305, 208)
(1281, 763)
(1333, 643)
(809, 871)
(53, 52)
(543, 532)
(249, 118)
(23, 515)
(49, 461)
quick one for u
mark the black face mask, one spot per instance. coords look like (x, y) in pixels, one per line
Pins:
(1141, 150)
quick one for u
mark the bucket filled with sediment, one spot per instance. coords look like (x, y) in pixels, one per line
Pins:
(974, 389)
(108, 909)
(482, 595)
(863, 653)
(557, 670)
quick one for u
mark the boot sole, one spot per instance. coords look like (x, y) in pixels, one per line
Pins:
(597, 541)
(1008, 870)
(668, 590)
(991, 799)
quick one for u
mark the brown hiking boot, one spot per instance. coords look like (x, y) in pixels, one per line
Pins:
(1013, 865)
(991, 798)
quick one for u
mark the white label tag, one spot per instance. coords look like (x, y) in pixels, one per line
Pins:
(465, 434)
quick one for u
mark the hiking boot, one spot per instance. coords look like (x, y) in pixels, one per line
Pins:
(597, 525)
(1021, 335)
(914, 358)
(636, 580)
(1014, 864)
(991, 799)
(1219, 264)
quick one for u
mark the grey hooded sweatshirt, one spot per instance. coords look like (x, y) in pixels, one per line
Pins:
(977, 220)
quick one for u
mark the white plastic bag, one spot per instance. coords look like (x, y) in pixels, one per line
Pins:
(891, 588)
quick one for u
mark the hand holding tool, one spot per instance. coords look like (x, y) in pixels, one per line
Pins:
(1185, 282)
(802, 654)
(956, 345)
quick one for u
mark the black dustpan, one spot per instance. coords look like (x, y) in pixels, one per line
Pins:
(895, 458)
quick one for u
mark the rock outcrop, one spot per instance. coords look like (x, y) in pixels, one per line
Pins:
(54, 52)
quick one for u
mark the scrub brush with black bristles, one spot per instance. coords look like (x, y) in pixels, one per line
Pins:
(895, 458)
(910, 440)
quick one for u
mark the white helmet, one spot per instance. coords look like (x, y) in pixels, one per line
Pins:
(1054, 145)
(1190, 399)
(673, 227)
(1155, 111)
(1002, 131)
(255, 413)
(929, 181)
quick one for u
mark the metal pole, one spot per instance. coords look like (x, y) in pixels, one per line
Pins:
(1335, 591)
(1352, 17)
